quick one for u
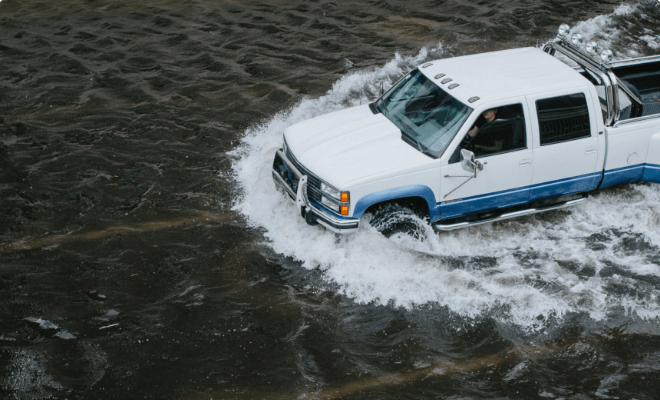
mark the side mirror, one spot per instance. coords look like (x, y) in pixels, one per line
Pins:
(468, 162)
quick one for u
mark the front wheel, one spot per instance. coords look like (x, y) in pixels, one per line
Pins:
(391, 219)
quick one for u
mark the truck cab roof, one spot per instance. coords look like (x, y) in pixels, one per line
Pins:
(502, 74)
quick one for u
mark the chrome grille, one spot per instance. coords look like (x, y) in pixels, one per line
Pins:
(313, 181)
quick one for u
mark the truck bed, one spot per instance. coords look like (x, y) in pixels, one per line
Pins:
(644, 81)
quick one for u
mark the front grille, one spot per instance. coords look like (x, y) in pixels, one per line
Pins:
(313, 181)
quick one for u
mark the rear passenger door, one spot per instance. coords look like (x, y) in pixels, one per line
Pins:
(565, 147)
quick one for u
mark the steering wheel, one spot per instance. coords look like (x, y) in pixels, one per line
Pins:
(466, 141)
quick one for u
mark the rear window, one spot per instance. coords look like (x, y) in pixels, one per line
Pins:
(563, 118)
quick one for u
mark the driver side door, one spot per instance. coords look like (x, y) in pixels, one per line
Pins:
(507, 173)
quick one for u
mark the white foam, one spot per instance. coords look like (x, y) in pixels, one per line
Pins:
(529, 272)
(613, 31)
(652, 41)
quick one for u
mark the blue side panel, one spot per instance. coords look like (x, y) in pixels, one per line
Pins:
(390, 194)
(651, 173)
(623, 175)
(578, 184)
(480, 203)
(509, 198)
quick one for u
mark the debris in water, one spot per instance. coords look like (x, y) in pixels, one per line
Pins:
(43, 324)
(65, 335)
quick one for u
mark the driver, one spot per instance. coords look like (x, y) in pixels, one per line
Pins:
(486, 117)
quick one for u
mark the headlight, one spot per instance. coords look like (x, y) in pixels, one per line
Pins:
(337, 201)
(563, 30)
(330, 204)
(330, 191)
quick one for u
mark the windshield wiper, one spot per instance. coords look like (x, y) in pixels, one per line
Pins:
(412, 98)
(410, 135)
(419, 145)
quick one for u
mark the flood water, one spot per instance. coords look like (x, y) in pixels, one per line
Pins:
(144, 251)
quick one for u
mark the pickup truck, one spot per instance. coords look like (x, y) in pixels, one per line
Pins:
(480, 138)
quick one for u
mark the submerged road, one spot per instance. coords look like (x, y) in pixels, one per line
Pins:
(144, 252)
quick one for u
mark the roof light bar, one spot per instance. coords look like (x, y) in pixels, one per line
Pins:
(606, 55)
(577, 40)
(592, 47)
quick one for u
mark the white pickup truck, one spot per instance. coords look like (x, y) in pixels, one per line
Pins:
(480, 138)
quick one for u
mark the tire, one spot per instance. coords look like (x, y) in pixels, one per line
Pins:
(392, 218)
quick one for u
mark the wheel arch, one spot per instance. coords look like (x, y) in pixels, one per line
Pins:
(412, 193)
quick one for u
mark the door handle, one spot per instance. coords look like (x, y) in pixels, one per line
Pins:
(590, 150)
(525, 163)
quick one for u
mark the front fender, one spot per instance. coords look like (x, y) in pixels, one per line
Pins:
(397, 193)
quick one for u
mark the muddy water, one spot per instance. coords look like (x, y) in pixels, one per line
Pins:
(145, 254)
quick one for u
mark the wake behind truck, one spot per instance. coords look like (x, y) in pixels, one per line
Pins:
(481, 138)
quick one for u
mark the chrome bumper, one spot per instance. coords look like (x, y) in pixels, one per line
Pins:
(308, 211)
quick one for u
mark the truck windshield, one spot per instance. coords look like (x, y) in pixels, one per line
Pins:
(427, 116)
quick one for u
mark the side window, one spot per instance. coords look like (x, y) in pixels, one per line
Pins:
(498, 130)
(563, 118)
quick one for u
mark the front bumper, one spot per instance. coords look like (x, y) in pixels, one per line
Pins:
(311, 212)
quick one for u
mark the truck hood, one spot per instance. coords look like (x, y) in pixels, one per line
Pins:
(347, 146)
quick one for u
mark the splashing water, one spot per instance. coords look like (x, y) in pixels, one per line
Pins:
(631, 30)
(597, 259)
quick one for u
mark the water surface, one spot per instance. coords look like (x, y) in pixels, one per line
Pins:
(144, 252)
